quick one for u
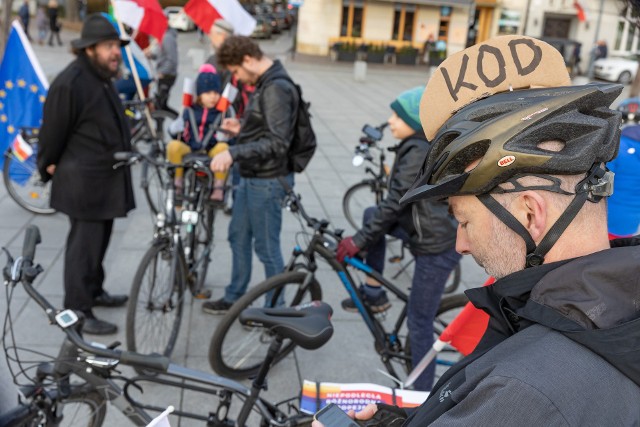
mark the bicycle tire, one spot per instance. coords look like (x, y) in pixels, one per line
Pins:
(232, 339)
(359, 197)
(97, 410)
(453, 281)
(23, 183)
(204, 236)
(164, 297)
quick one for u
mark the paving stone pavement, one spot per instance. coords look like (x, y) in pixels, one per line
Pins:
(340, 107)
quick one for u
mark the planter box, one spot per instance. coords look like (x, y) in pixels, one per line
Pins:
(375, 57)
(346, 56)
(406, 59)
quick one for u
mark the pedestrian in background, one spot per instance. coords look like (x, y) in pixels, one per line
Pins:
(42, 23)
(83, 126)
(261, 151)
(54, 25)
(23, 13)
(165, 53)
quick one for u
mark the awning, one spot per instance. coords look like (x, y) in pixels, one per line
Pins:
(451, 3)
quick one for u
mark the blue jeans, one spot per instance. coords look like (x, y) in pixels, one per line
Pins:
(256, 220)
(429, 277)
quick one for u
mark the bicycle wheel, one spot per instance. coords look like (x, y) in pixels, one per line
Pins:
(23, 183)
(155, 305)
(152, 181)
(453, 281)
(358, 198)
(203, 246)
(237, 351)
(82, 410)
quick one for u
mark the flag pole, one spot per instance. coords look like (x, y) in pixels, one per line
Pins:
(134, 72)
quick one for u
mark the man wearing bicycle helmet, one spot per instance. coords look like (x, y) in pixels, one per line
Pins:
(520, 156)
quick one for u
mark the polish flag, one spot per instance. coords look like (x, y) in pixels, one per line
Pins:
(205, 12)
(582, 16)
(146, 16)
(188, 91)
(228, 96)
(162, 420)
(21, 149)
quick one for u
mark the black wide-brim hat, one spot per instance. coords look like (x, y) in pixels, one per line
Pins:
(96, 29)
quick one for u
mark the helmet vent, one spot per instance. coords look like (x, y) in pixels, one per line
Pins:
(465, 157)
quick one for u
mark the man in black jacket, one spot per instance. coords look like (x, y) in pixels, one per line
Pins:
(264, 137)
(427, 227)
(83, 126)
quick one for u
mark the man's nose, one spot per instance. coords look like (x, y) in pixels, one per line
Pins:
(462, 244)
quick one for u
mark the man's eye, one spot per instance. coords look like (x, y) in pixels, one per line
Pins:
(463, 225)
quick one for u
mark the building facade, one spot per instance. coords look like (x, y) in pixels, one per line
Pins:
(457, 24)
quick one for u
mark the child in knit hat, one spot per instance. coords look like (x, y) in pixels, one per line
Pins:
(425, 226)
(199, 134)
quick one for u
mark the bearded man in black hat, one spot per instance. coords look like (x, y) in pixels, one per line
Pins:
(83, 126)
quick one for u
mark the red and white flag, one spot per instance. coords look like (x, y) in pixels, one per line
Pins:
(582, 16)
(145, 16)
(205, 12)
(188, 91)
(21, 149)
(228, 96)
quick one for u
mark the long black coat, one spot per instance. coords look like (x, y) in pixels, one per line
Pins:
(83, 126)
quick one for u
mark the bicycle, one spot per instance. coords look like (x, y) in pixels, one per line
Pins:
(150, 141)
(172, 263)
(235, 351)
(371, 191)
(22, 178)
(74, 388)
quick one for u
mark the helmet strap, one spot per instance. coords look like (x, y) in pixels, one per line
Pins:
(597, 184)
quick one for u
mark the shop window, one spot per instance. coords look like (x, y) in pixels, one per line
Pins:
(352, 18)
(403, 22)
(627, 35)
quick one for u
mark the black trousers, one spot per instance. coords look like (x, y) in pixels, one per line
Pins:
(87, 244)
(162, 93)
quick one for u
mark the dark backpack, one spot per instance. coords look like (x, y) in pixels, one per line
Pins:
(304, 141)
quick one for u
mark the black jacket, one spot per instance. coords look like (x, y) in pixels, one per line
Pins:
(430, 227)
(563, 341)
(268, 126)
(83, 126)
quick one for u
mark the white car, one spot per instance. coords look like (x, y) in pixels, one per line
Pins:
(178, 19)
(621, 69)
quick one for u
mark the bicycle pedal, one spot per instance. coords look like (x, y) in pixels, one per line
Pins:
(395, 259)
(202, 294)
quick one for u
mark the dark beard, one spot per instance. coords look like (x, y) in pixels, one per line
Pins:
(103, 71)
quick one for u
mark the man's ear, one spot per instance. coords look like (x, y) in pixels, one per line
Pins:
(532, 213)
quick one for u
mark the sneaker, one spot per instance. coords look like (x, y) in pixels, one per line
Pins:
(216, 307)
(376, 300)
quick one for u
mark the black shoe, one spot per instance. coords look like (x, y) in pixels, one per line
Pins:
(106, 300)
(377, 301)
(216, 307)
(95, 326)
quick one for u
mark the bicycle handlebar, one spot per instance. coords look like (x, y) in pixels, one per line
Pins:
(29, 273)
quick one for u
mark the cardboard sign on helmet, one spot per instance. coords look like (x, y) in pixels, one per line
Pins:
(497, 65)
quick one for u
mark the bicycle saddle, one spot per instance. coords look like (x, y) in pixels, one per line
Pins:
(307, 325)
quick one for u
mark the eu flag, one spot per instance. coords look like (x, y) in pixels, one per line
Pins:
(23, 88)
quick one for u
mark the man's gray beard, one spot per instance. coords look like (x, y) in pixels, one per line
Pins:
(504, 254)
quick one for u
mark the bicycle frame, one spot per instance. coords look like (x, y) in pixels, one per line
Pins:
(387, 344)
(94, 363)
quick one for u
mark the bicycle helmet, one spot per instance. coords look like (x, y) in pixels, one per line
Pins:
(505, 131)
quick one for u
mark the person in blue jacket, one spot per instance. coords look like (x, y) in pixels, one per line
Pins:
(624, 203)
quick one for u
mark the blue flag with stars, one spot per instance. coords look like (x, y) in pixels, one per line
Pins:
(23, 88)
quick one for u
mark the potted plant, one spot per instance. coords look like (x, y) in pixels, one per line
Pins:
(347, 52)
(407, 55)
(375, 54)
(436, 57)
